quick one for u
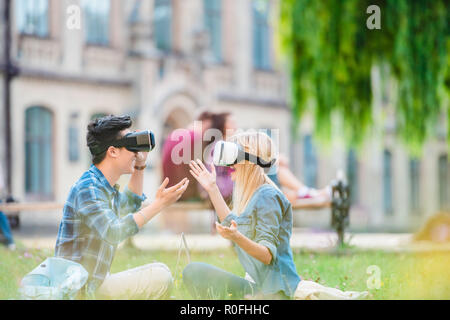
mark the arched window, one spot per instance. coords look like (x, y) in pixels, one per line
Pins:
(352, 174)
(387, 183)
(162, 17)
(213, 23)
(39, 153)
(414, 183)
(261, 37)
(32, 17)
(444, 183)
(96, 21)
(310, 162)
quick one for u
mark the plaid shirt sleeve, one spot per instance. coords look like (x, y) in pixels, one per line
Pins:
(129, 201)
(94, 208)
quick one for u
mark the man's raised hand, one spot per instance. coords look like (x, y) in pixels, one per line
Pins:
(166, 196)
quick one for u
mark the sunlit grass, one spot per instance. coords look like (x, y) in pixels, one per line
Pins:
(403, 275)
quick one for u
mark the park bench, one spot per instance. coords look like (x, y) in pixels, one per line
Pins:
(339, 205)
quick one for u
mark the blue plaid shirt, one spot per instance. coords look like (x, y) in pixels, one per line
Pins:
(96, 218)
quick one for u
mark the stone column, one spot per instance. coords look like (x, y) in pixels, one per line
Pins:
(372, 158)
(429, 180)
(243, 54)
(143, 69)
(401, 186)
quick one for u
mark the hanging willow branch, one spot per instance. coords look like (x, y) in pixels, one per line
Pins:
(331, 52)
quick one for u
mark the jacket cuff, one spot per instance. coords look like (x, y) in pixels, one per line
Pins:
(227, 221)
(273, 250)
(137, 200)
(132, 227)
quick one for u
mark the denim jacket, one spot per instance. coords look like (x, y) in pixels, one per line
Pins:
(267, 220)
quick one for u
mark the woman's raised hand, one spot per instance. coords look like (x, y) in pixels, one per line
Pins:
(206, 179)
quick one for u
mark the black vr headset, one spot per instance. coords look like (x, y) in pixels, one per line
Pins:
(142, 141)
(229, 153)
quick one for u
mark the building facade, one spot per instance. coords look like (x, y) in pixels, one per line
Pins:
(162, 62)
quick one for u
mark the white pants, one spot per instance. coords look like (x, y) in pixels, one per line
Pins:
(150, 281)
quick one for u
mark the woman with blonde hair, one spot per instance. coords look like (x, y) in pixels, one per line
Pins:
(259, 226)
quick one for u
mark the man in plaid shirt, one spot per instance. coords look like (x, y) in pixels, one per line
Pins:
(97, 216)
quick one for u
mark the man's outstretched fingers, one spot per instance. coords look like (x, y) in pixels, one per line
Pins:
(183, 187)
(181, 190)
(178, 185)
(164, 184)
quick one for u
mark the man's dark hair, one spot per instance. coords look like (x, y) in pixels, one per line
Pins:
(105, 130)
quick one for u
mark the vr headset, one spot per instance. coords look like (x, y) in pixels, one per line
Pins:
(228, 153)
(142, 141)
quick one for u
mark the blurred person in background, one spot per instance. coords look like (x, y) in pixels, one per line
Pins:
(184, 140)
(293, 188)
(175, 145)
(225, 123)
(6, 237)
(280, 174)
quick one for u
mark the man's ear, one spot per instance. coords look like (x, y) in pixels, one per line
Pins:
(112, 152)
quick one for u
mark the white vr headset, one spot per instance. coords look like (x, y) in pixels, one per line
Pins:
(229, 153)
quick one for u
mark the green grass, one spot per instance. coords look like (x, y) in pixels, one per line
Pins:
(403, 275)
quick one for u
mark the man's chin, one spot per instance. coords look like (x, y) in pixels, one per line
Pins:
(129, 170)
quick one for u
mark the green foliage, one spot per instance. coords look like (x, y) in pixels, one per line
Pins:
(331, 52)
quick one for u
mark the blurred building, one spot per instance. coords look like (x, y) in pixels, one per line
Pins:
(162, 61)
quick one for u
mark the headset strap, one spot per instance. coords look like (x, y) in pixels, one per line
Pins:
(244, 155)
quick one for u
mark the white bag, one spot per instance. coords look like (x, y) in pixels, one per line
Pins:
(54, 279)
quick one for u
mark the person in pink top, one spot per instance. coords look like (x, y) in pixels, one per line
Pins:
(225, 123)
(174, 146)
(175, 165)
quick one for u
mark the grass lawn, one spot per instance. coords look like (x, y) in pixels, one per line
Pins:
(403, 275)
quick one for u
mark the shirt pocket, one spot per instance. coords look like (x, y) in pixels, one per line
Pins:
(245, 226)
